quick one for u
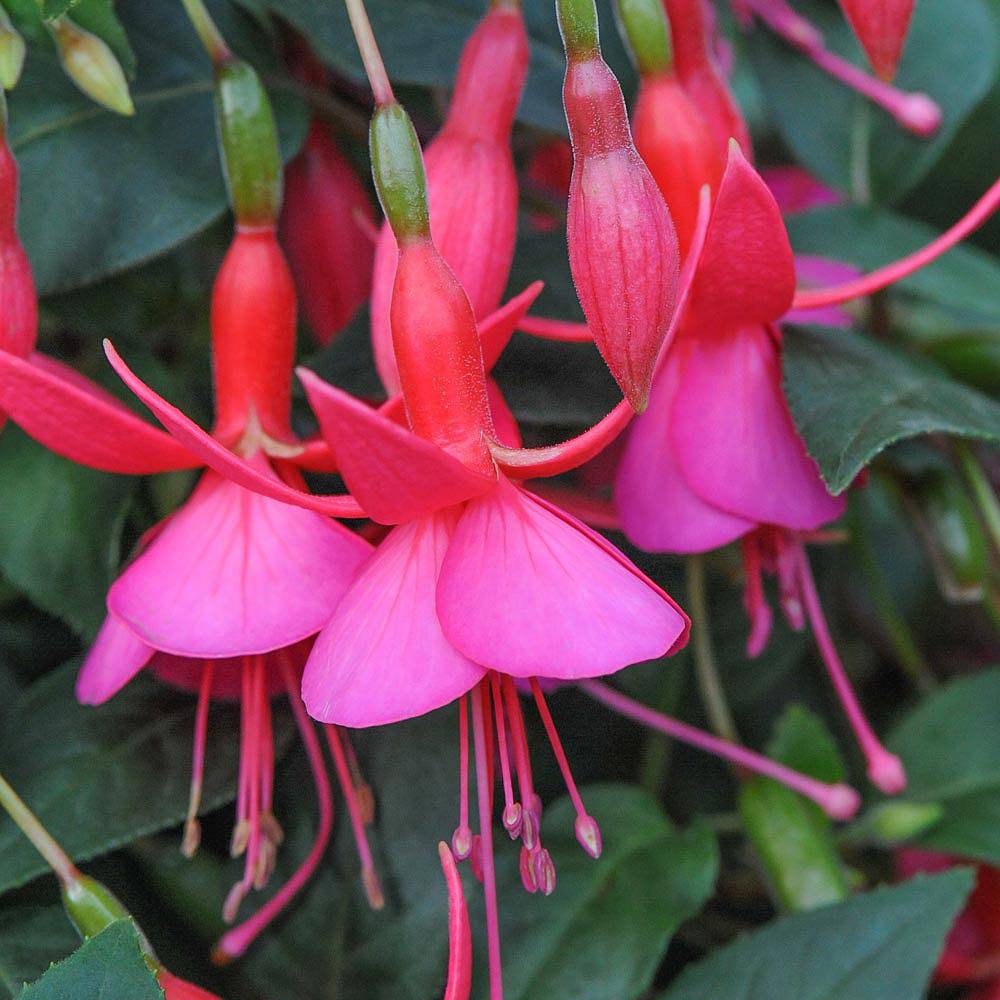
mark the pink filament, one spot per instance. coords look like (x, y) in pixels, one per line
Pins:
(484, 794)
(522, 762)
(891, 273)
(557, 747)
(556, 329)
(369, 876)
(236, 941)
(462, 838)
(191, 829)
(839, 801)
(508, 785)
(914, 112)
(884, 769)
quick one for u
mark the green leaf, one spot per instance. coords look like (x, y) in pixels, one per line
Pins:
(951, 54)
(952, 754)
(101, 777)
(31, 938)
(964, 279)
(792, 835)
(852, 397)
(59, 530)
(603, 932)
(850, 951)
(109, 966)
(100, 193)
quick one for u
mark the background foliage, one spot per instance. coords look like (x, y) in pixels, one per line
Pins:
(704, 889)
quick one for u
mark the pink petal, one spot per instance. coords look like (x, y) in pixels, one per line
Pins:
(496, 329)
(796, 190)
(734, 438)
(745, 273)
(395, 475)
(220, 458)
(116, 656)
(527, 592)
(659, 511)
(383, 656)
(76, 418)
(504, 422)
(233, 573)
(819, 272)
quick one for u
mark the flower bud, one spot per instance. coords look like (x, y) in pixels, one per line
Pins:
(398, 169)
(623, 252)
(248, 142)
(323, 229)
(92, 66)
(11, 53)
(881, 27)
(18, 302)
(253, 337)
(471, 183)
(91, 905)
(895, 821)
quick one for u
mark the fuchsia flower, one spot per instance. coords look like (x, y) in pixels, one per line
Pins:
(18, 305)
(326, 223)
(881, 27)
(470, 178)
(180, 989)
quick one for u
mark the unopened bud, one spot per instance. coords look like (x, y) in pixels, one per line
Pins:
(643, 25)
(398, 169)
(11, 53)
(91, 905)
(92, 66)
(896, 821)
(248, 141)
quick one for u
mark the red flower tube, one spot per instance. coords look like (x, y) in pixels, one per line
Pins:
(881, 27)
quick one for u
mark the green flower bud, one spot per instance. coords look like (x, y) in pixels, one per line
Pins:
(893, 822)
(579, 29)
(643, 26)
(248, 142)
(11, 53)
(398, 168)
(92, 66)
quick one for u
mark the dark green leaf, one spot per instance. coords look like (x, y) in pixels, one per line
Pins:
(793, 836)
(951, 747)
(101, 777)
(59, 530)
(99, 192)
(109, 966)
(951, 54)
(965, 278)
(851, 397)
(883, 943)
(602, 933)
(31, 938)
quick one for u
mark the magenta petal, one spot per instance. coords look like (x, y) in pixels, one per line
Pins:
(234, 573)
(394, 474)
(734, 438)
(220, 458)
(820, 272)
(76, 418)
(659, 511)
(116, 656)
(527, 592)
(383, 656)
(745, 272)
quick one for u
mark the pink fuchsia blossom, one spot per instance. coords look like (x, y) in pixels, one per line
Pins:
(175, 988)
(471, 182)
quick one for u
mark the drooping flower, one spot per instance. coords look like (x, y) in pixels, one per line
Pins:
(881, 27)
(622, 247)
(470, 178)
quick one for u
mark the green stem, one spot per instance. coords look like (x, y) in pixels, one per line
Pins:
(896, 628)
(709, 683)
(657, 748)
(209, 34)
(982, 490)
(32, 828)
(861, 178)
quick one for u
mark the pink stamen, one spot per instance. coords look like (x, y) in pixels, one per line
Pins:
(544, 870)
(587, 831)
(884, 769)
(839, 801)
(267, 749)
(369, 876)
(235, 942)
(512, 813)
(556, 329)
(461, 839)
(252, 876)
(527, 871)
(484, 795)
(238, 843)
(531, 817)
(366, 800)
(819, 297)
(790, 592)
(192, 828)
(913, 111)
(757, 608)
